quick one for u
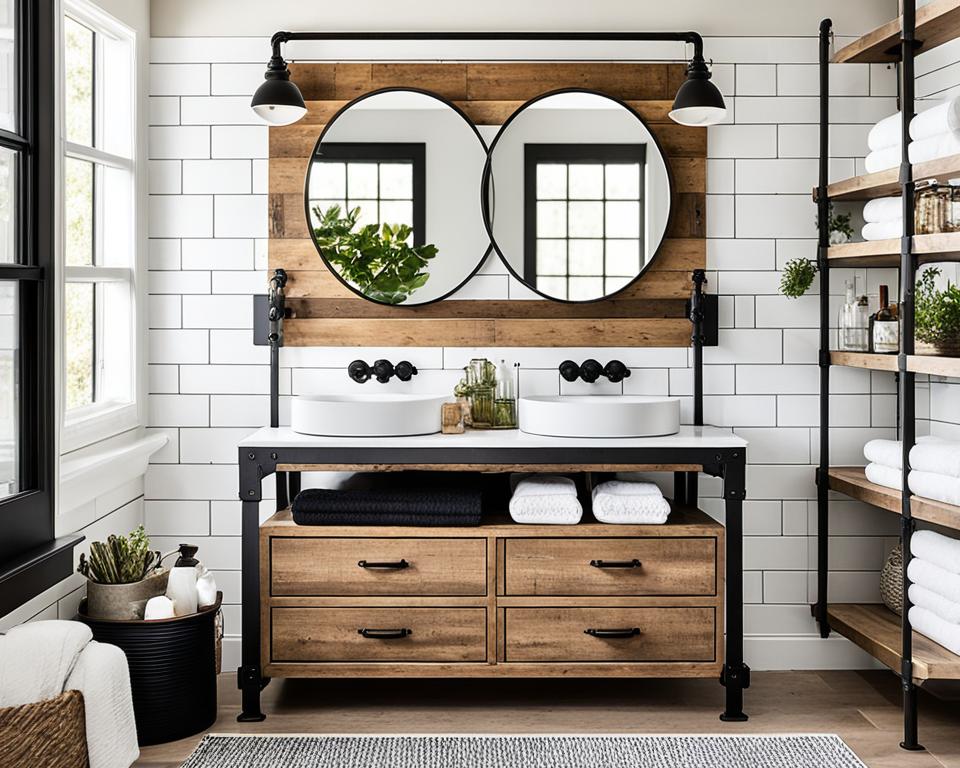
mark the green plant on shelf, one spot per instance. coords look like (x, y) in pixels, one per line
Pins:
(120, 560)
(377, 259)
(797, 277)
(841, 231)
(936, 312)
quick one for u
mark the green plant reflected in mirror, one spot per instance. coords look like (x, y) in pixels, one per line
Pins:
(392, 197)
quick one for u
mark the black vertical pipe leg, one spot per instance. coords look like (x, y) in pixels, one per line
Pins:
(680, 489)
(735, 675)
(693, 488)
(910, 741)
(250, 679)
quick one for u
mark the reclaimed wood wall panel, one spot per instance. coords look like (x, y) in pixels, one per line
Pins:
(325, 313)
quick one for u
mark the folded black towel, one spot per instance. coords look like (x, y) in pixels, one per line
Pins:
(319, 506)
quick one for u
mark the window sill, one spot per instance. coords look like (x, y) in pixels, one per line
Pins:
(97, 424)
(33, 572)
(120, 459)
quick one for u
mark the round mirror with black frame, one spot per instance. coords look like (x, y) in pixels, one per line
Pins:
(583, 195)
(391, 197)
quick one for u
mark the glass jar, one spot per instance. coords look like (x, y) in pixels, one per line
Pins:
(933, 206)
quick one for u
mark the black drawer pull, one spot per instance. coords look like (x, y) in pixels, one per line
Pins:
(398, 566)
(616, 563)
(612, 634)
(384, 634)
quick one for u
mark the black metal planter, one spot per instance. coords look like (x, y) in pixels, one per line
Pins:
(173, 671)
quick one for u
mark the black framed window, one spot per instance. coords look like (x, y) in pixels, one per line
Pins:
(583, 217)
(27, 392)
(386, 181)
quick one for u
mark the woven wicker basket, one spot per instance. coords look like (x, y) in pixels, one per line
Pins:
(46, 734)
(891, 581)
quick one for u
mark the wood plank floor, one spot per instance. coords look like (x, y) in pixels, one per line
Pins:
(862, 707)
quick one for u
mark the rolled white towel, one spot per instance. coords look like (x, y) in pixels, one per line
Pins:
(934, 578)
(934, 147)
(942, 118)
(926, 598)
(936, 455)
(886, 133)
(889, 453)
(883, 209)
(932, 486)
(882, 159)
(630, 503)
(546, 500)
(938, 549)
(880, 474)
(882, 230)
(928, 623)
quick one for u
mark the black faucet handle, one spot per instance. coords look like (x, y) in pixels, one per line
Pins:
(405, 370)
(383, 370)
(569, 370)
(616, 371)
(359, 371)
(591, 370)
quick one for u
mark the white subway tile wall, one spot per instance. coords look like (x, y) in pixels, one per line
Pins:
(209, 383)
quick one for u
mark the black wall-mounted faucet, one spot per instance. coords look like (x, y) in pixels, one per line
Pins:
(591, 370)
(381, 370)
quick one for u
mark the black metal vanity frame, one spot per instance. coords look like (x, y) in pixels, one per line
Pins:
(726, 463)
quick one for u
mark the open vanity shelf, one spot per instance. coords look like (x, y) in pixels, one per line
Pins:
(874, 628)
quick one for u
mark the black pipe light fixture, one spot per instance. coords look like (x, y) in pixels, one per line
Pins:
(698, 102)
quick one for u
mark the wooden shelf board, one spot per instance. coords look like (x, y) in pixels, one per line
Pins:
(887, 183)
(935, 366)
(886, 253)
(873, 362)
(936, 24)
(852, 482)
(876, 629)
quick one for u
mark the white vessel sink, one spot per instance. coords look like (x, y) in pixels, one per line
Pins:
(372, 415)
(600, 416)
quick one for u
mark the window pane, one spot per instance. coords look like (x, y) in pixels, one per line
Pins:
(78, 88)
(324, 206)
(623, 219)
(551, 182)
(362, 180)
(623, 257)
(585, 288)
(78, 190)
(586, 182)
(79, 326)
(8, 66)
(8, 187)
(623, 182)
(586, 219)
(555, 287)
(368, 211)
(586, 257)
(328, 180)
(396, 181)
(551, 257)
(551, 220)
(396, 212)
(9, 392)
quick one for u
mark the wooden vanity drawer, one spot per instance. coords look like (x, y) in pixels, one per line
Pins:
(560, 634)
(374, 634)
(395, 566)
(614, 566)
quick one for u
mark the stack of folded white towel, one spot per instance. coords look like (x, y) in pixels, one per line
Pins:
(883, 219)
(934, 574)
(934, 133)
(934, 467)
(552, 499)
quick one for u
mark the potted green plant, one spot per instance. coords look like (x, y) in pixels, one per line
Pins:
(122, 574)
(797, 277)
(377, 259)
(937, 316)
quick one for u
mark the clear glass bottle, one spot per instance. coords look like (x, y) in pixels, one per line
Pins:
(886, 326)
(853, 323)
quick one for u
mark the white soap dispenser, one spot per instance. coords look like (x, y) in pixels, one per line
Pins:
(182, 587)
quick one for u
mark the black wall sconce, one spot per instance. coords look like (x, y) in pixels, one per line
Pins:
(698, 102)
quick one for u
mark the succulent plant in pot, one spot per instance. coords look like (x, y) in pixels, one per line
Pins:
(122, 574)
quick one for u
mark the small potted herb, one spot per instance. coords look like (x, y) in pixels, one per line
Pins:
(797, 277)
(937, 316)
(122, 574)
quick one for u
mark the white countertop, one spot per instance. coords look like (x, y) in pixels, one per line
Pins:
(687, 437)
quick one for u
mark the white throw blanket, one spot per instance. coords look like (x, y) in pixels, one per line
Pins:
(102, 676)
(883, 209)
(937, 604)
(40, 660)
(546, 499)
(928, 623)
(935, 579)
(630, 503)
(938, 549)
(881, 474)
